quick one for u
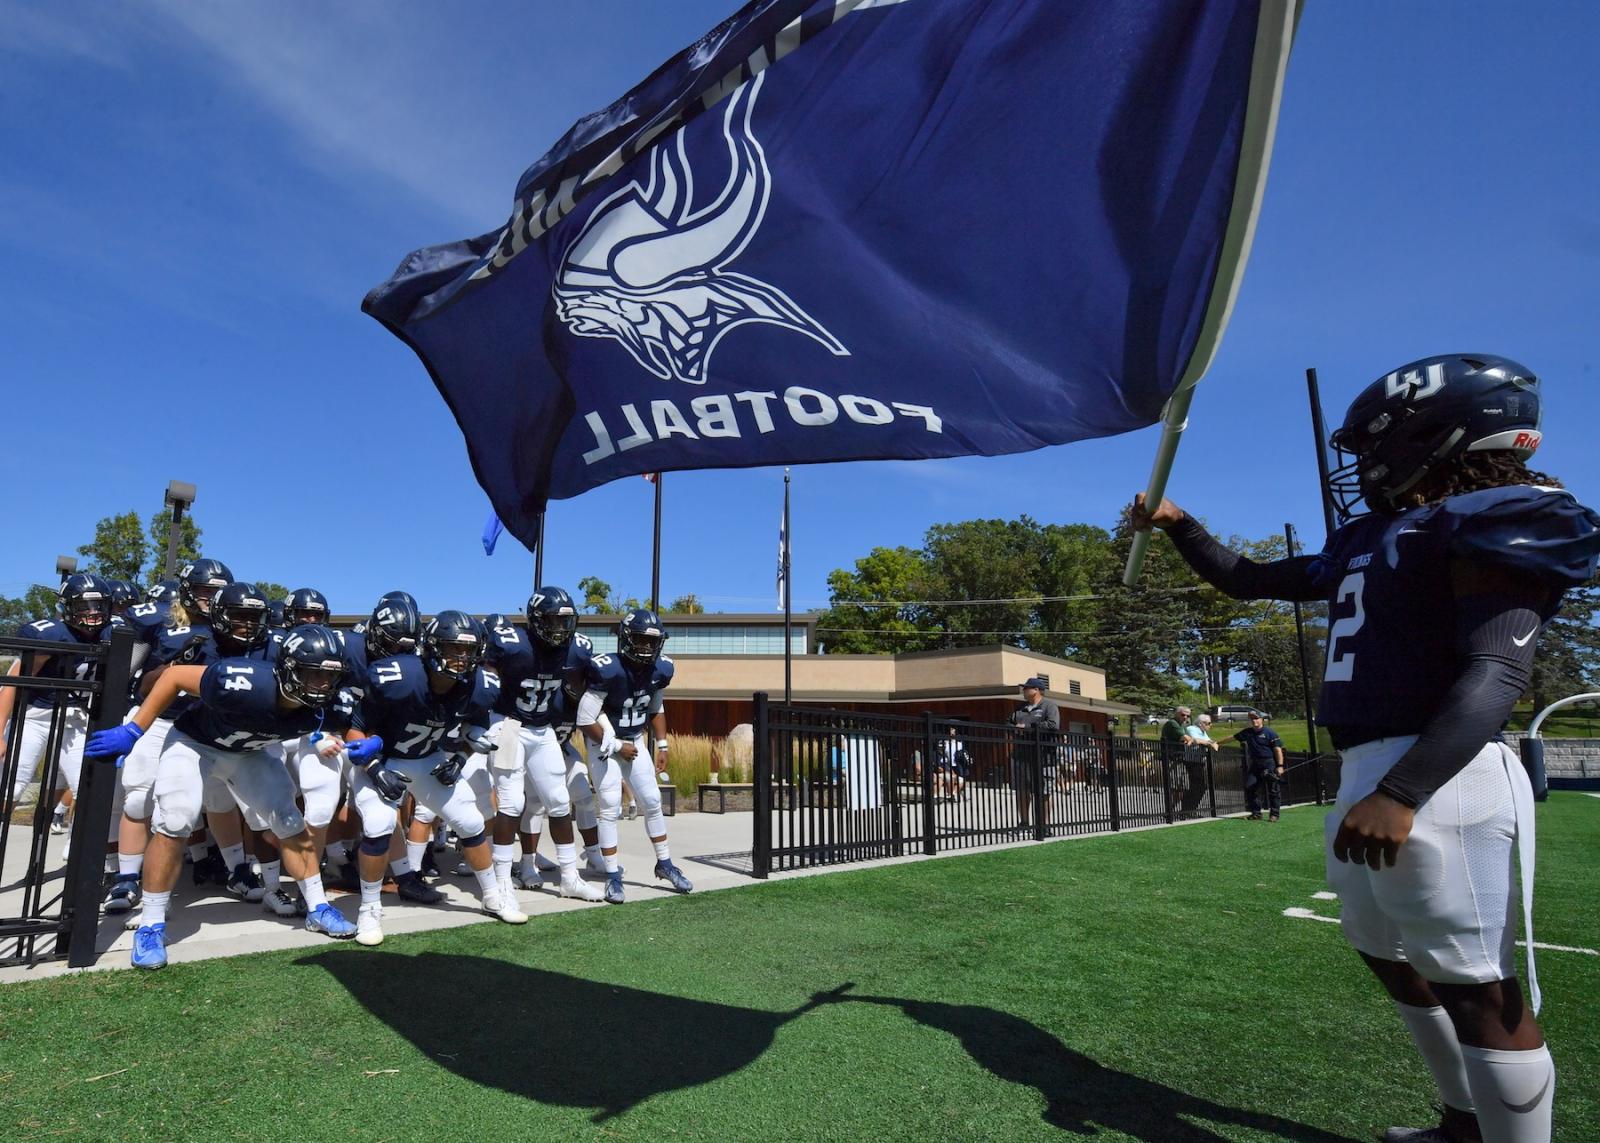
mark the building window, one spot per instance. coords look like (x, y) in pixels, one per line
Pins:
(1074, 687)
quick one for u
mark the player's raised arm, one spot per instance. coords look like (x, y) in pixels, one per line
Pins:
(1297, 578)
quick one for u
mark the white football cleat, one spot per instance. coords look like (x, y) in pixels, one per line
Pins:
(501, 904)
(577, 887)
(369, 925)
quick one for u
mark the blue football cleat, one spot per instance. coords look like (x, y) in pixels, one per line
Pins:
(326, 919)
(150, 946)
(673, 876)
(614, 888)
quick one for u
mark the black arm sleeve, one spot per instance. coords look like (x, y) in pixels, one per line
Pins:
(1239, 576)
(1496, 633)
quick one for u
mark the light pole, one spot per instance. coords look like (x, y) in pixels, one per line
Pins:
(179, 497)
(65, 566)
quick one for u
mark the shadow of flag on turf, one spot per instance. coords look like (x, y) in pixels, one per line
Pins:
(860, 229)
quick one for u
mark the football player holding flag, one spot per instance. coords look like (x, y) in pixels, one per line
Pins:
(245, 705)
(626, 689)
(421, 716)
(1437, 593)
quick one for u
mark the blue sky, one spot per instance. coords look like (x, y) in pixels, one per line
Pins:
(195, 198)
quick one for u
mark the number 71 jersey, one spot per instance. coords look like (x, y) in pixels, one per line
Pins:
(628, 692)
(400, 707)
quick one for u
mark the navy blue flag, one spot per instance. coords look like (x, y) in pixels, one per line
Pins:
(860, 229)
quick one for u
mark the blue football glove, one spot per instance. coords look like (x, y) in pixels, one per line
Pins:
(364, 750)
(390, 784)
(450, 769)
(110, 743)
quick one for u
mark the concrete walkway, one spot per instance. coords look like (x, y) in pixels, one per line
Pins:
(712, 849)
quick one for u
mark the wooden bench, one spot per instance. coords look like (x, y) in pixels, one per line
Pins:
(743, 797)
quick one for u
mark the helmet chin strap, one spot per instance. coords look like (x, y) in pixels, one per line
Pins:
(1427, 466)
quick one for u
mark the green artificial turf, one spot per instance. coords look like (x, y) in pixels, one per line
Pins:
(1143, 986)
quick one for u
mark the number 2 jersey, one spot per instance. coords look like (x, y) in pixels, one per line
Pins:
(1392, 653)
(538, 685)
(628, 692)
(400, 707)
(238, 709)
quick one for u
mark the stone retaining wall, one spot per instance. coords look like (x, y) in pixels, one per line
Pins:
(1566, 757)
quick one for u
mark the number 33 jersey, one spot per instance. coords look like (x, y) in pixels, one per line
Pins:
(400, 708)
(628, 692)
(238, 709)
(1392, 640)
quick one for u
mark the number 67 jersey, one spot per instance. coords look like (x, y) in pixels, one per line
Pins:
(1392, 653)
(238, 709)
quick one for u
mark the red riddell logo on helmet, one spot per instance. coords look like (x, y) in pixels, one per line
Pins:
(1529, 441)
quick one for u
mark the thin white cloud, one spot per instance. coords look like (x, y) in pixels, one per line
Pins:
(57, 31)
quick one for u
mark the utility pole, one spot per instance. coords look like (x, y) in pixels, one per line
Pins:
(179, 497)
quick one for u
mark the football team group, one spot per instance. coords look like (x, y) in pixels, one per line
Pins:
(1451, 557)
(317, 740)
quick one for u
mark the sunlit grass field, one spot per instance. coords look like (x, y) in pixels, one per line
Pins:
(1141, 986)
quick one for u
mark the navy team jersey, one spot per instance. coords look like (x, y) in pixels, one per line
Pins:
(537, 683)
(627, 691)
(353, 649)
(148, 620)
(62, 666)
(1392, 635)
(192, 647)
(238, 709)
(400, 708)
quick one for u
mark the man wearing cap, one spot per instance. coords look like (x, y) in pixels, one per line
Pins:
(1263, 760)
(1174, 738)
(1041, 712)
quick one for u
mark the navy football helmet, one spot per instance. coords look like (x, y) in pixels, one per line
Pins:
(452, 644)
(123, 596)
(395, 626)
(275, 613)
(166, 589)
(198, 584)
(239, 618)
(552, 616)
(1409, 422)
(85, 603)
(310, 666)
(640, 637)
(305, 605)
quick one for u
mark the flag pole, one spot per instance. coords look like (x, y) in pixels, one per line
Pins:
(655, 558)
(538, 555)
(1275, 28)
(1320, 430)
(788, 607)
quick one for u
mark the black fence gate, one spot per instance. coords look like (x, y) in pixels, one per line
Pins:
(49, 909)
(835, 786)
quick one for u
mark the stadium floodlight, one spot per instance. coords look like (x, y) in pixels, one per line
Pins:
(180, 495)
(65, 566)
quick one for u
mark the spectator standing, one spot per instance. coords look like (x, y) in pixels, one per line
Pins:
(1174, 738)
(1041, 712)
(1263, 762)
(1198, 746)
(952, 763)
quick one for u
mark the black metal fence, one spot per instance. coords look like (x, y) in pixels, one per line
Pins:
(50, 909)
(835, 786)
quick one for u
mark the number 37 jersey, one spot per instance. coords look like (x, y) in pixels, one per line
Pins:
(536, 683)
(628, 692)
(1392, 652)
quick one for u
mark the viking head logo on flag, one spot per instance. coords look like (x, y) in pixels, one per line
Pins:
(649, 268)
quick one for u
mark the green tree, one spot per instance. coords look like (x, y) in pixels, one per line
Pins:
(686, 605)
(1567, 660)
(118, 550)
(271, 590)
(596, 594)
(988, 570)
(1145, 632)
(188, 541)
(38, 602)
(868, 613)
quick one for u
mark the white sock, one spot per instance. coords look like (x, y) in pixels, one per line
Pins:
(1435, 1038)
(372, 892)
(414, 852)
(591, 854)
(663, 851)
(400, 866)
(486, 881)
(232, 856)
(567, 858)
(61, 805)
(130, 864)
(501, 857)
(311, 892)
(1514, 1092)
(272, 875)
(610, 860)
(155, 908)
(110, 863)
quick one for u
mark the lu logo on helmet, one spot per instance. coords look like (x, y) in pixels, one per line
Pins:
(650, 271)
